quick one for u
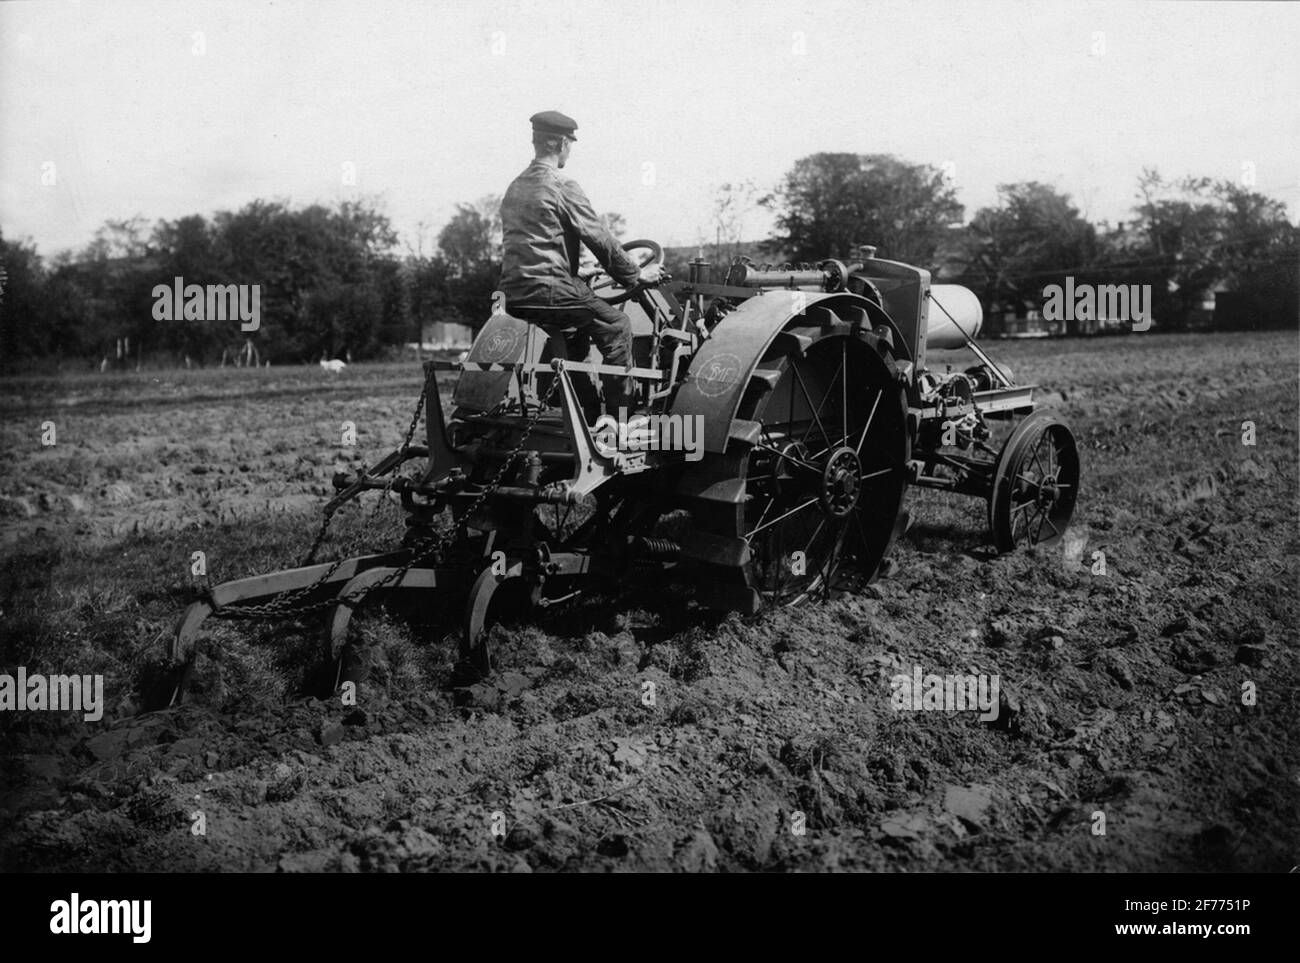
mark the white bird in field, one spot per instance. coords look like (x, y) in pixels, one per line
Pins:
(334, 367)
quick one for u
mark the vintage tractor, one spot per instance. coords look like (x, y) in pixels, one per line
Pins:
(785, 412)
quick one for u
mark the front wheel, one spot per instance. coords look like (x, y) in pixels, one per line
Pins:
(1035, 484)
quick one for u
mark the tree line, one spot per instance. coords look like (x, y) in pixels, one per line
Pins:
(334, 281)
(1185, 237)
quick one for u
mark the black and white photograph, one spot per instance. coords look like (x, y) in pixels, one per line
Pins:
(743, 437)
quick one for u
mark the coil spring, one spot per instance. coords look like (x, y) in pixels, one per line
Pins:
(657, 547)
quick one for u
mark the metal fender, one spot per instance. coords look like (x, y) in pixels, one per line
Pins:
(724, 365)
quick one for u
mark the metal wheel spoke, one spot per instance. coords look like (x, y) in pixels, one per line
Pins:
(1022, 520)
(829, 572)
(790, 419)
(820, 452)
(807, 550)
(791, 534)
(816, 418)
(1029, 524)
(1041, 473)
(1038, 532)
(839, 376)
(811, 501)
(844, 390)
(770, 502)
(867, 427)
(808, 466)
(774, 543)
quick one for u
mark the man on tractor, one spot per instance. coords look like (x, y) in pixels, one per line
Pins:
(545, 216)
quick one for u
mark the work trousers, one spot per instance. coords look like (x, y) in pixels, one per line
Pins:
(591, 321)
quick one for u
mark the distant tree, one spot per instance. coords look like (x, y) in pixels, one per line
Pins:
(1257, 237)
(1033, 237)
(1197, 232)
(72, 326)
(344, 317)
(1179, 225)
(187, 249)
(328, 280)
(24, 316)
(119, 239)
(430, 297)
(489, 208)
(830, 203)
(1260, 255)
(114, 275)
(470, 247)
(466, 242)
(301, 258)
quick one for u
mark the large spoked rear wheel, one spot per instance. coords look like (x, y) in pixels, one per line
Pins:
(1035, 484)
(824, 477)
(826, 480)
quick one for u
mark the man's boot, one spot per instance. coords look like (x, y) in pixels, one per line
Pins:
(620, 394)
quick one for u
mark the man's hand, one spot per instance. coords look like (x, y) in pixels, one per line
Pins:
(651, 274)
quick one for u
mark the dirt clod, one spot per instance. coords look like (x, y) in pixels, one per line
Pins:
(330, 733)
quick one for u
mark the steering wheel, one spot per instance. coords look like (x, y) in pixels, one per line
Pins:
(649, 253)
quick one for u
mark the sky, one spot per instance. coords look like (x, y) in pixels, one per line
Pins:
(113, 110)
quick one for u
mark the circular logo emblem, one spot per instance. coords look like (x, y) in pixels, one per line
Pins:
(719, 375)
(500, 344)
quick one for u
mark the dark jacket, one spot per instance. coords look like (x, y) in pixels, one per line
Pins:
(544, 217)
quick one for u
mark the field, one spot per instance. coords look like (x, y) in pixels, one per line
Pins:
(1159, 691)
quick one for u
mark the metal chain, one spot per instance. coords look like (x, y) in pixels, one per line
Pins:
(287, 604)
(310, 557)
(435, 546)
(406, 443)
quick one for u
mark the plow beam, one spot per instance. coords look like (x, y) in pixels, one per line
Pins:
(262, 588)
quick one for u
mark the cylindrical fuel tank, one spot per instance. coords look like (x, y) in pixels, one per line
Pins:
(965, 309)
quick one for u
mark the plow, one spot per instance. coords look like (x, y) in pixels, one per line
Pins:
(784, 413)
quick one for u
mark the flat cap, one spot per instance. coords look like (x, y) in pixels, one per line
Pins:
(554, 122)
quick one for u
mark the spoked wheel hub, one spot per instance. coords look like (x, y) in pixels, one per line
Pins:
(841, 482)
(1047, 492)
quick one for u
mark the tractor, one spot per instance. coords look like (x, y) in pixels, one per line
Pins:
(785, 411)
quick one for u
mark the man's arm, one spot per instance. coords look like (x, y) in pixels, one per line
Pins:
(604, 245)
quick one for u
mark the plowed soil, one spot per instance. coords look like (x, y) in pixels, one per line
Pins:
(1147, 667)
